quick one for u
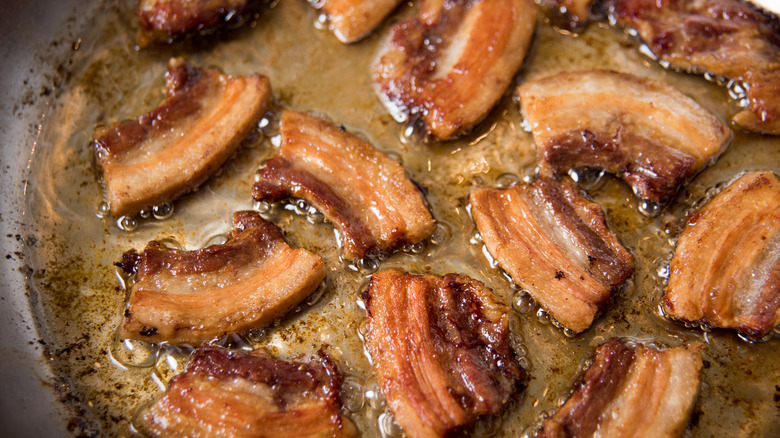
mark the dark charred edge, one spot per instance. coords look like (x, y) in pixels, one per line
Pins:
(129, 262)
(595, 389)
(618, 155)
(211, 22)
(280, 180)
(148, 331)
(251, 238)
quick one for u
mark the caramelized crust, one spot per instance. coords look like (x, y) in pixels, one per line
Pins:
(159, 20)
(451, 63)
(631, 392)
(729, 38)
(190, 297)
(555, 244)
(441, 350)
(652, 136)
(177, 146)
(726, 267)
(352, 20)
(227, 393)
(365, 194)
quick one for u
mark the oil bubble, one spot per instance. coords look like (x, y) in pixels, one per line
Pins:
(127, 223)
(507, 180)
(162, 211)
(103, 210)
(130, 353)
(388, 427)
(315, 297)
(523, 303)
(649, 208)
(441, 233)
(353, 394)
(368, 265)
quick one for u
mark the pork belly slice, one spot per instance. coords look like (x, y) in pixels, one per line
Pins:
(555, 244)
(631, 392)
(453, 61)
(224, 393)
(440, 347)
(728, 38)
(726, 267)
(365, 194)
(194, 296)
(159, 20)
(177, 146)
(646, 132)
(351, 20)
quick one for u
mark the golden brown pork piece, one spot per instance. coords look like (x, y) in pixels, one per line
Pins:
(160, 20)
(649, 134)
(726, 267)
(352, 20)
(728, 38)
(453, 61)
(177, 146)
(365, 194)
(225, 393)
(441, 350)
(631, 392)
(555, 244)
(193, 296)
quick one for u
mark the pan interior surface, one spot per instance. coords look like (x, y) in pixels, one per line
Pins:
(80, 295)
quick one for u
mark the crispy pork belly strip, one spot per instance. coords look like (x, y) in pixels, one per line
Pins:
(728, 38)
(174, 148)
(631, 392)
(352, 20)
(555, 244)
(190, 297)
(365, 194)
(726, 267)
(225, 393)
(441, 350)
(163, 19)
(652, 136)
(451, 63)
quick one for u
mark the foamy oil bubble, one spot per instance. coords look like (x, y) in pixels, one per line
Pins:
(388, 427)
(368, 265)
(171, 361)
(163, 211)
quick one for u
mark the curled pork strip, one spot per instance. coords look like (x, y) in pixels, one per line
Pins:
(194, 296)
(453, 61)
(726, 267)
(364, 193)
(177, 146)
(229, 393)
(160, 20)
(555, 244)
(351, 20)
(440, 347)
(646, 132)
(729, 38)
(631, 392)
